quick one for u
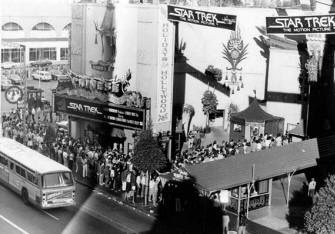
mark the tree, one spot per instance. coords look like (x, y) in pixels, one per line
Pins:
(148, 156)
(321, 217)
(210, 103)
(233, 108)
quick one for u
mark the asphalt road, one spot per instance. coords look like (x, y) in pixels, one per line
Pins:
(95, 213)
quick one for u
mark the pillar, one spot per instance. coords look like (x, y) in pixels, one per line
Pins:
(270, 191)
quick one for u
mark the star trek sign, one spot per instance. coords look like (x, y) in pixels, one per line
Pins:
(301, 24)
(202, 17)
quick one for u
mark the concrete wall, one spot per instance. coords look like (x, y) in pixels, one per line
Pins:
(204, 47)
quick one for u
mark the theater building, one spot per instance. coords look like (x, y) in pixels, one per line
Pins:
(131, 55)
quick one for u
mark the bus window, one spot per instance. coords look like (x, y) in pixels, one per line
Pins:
(3, 161)
(58, 179)
(33, 179)
(20, 171)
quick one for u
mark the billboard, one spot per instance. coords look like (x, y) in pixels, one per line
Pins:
(300, 24)
(118, 115)
(205, 18)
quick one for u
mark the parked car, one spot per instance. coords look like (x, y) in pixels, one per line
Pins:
(16, 79)
(5, 83)
(41, 75)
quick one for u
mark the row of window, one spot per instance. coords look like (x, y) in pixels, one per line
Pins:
(12, 26)
(20, 171)
(35, 54)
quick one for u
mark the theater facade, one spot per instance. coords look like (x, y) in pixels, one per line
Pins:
(132, 64)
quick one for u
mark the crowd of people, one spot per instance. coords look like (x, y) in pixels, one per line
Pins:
(107, 166)
(199, 154)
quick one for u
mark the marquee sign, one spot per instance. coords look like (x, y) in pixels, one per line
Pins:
(301, 24)
(202, 17)
(127, 117)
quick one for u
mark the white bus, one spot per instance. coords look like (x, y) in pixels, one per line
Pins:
(37, 178)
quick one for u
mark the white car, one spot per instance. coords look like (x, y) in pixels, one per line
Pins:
(16, 79)
(41, 75)
(5, 83)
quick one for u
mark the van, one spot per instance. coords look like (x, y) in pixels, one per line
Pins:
(41, 75)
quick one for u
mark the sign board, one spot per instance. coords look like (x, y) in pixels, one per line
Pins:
(301, 24)
(118, 115)
(164, 70)
(224, 196)
(13, 94)
(254, 203)
(205, 18)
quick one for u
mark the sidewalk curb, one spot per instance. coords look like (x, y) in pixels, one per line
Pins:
(116, 199)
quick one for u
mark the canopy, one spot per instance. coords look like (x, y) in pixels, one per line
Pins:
(254, 113)
(234, 171)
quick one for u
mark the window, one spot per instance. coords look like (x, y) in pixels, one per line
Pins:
(33, 179)
(12, 55)
(36, 54)
(67, 27)
(20, 171)
(3, 161)
(64, 53)
(11, 26)
(237, 128)
(43, 27)
(57, 180)
(262, 186)
(12, 166)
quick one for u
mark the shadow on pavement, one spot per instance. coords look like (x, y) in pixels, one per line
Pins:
(183, 210)
(299, 204)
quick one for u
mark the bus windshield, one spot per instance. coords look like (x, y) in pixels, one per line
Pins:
(58, 179)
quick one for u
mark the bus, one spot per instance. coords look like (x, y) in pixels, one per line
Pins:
(36, 178)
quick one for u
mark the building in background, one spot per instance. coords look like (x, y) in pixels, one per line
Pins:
(40, 27)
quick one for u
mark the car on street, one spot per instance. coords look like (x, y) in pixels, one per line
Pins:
(5, 83)
(41, 75)
(16, 79)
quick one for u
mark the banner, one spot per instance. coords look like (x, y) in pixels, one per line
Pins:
(127, 117)
(202, 17)
(165, 70)
(300, 24)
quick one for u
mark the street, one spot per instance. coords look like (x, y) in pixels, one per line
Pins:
(94, 213)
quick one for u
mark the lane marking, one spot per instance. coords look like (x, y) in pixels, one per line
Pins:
(14, 225)
(52, 216)
(114, 222)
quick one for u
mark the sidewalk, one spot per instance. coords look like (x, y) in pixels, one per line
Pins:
(138, 206)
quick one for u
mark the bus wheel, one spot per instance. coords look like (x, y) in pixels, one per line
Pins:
(24, 196)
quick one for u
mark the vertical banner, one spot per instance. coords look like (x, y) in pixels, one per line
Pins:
(165, 68)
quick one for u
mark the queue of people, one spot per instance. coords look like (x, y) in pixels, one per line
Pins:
(107, 166)
(201, 154)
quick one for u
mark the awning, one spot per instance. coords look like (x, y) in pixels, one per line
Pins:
(269, 163)
(118, 132)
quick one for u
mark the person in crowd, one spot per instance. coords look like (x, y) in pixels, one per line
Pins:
(225, 222)
(242, 223)
(84, 166)
(311, 188)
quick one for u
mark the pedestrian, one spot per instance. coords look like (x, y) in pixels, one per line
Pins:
(242, 223)
(311, 188)
(225, 220)
(84, 163)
